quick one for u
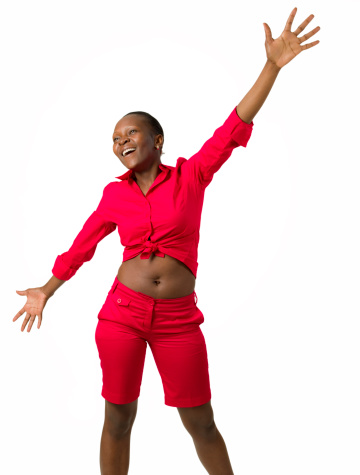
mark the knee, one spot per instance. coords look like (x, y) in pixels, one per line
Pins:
(118, 428)
(199, 421)
(119, 419)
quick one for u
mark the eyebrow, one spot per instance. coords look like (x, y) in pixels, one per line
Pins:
(128, 127)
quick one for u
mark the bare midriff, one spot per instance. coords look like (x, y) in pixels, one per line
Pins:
(158, 277)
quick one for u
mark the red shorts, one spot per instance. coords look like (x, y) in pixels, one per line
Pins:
(129, 320)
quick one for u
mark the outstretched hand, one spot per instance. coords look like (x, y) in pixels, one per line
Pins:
(34, 306)
(282, 50)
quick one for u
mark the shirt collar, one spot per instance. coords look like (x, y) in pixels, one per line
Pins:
(129, 175)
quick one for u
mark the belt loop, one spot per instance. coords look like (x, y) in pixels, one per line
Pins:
(196, 299)
(114, 287)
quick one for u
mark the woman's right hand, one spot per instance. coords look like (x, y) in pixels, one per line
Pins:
(36, 301)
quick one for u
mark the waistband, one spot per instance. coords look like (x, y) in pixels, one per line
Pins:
(130, 293)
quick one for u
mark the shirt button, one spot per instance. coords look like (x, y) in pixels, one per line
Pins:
(118, 300)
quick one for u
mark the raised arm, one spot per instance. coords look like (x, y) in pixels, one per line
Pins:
(237, 128)
(279, 52)
(201, 166)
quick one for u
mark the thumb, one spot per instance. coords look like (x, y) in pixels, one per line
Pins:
(268, 33)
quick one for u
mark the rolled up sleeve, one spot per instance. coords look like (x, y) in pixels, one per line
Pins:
(216, 150)
(95, 228)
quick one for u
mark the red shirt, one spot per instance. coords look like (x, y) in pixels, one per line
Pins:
(167, 219)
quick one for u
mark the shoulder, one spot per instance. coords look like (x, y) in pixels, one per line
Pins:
(179, 164)
(178, 168)
(111, 187)
(109, 191)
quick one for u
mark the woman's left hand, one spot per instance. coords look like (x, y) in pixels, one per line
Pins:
(282, 50)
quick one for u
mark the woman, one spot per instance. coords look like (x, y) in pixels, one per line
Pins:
(157, 210)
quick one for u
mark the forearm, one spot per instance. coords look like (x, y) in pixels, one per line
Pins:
(52, 285)
(250, 105)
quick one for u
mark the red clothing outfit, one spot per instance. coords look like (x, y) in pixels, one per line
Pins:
(167, 219)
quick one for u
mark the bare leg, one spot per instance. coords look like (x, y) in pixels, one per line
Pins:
(114, 454)
(209, 444)
(115, 439)
(213, 453)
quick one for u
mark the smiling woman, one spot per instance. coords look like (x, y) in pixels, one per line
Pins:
(157, 209)
(152, 123)
(138, 139)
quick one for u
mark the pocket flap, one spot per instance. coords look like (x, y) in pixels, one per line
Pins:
(121, 300)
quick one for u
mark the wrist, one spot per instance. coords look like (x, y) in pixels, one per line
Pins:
(46, 291)
(272, 66)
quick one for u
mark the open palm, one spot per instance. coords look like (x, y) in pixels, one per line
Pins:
(34, 306)
(282, 50)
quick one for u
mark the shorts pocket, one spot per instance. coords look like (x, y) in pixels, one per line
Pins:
(127, 310)
(120, 300)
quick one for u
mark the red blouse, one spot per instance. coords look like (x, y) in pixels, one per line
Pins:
(167, 219)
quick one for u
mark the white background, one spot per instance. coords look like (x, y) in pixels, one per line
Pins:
(278, 278)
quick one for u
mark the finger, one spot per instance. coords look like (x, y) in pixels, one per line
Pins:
(290, 20)
(19, 314)
(26, 319)
(32, 320)
(39, 320)
(309, 35)
(303, 25)
(310, 45)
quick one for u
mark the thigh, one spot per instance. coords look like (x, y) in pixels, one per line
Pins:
(122, 356)
(181, 359)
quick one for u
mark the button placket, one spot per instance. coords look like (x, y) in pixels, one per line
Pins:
(149, 315)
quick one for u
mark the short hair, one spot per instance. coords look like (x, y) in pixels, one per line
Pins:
(153, 124)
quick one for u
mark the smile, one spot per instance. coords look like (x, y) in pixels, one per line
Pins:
(128, 151)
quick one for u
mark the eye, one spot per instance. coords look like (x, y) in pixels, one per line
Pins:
(132, 130)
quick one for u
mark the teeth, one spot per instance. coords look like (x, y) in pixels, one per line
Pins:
(127, 150)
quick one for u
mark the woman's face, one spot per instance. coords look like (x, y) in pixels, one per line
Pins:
(133, 131)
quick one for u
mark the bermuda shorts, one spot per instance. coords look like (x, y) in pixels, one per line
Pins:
(129, 321)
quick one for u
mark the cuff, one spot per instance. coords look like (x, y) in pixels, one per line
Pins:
(61, 270)
(237, 129)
